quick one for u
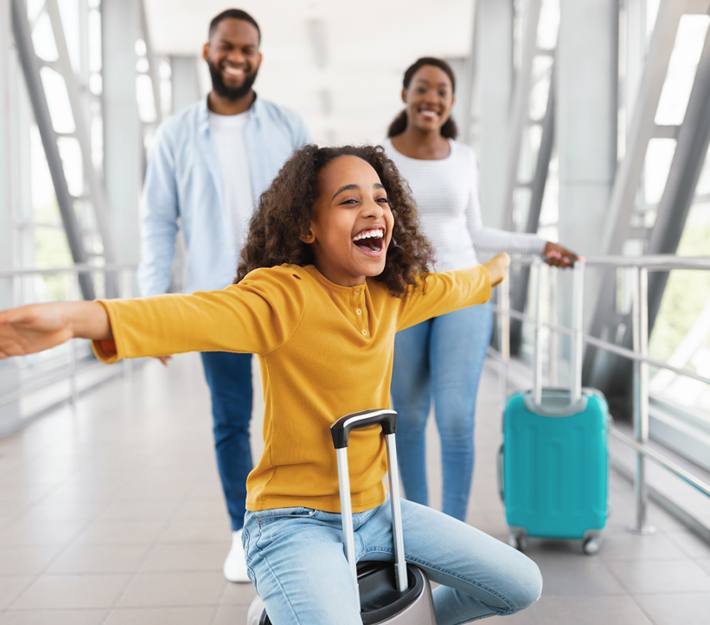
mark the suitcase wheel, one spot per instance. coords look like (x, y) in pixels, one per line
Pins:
(591, 544)
(517, 538)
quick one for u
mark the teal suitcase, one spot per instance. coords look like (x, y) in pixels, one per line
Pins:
(555, 467)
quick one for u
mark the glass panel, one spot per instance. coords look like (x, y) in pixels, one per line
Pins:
(70, 152)
(681, 334)
(43, 39)
(144, 93)
(95, 41)
(682, 68)
(549, 25)
(658, 163)
(58, 101)
(69, 12)
(44, 201)
(540, 88)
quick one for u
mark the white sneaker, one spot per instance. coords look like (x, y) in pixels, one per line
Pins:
(235, 566)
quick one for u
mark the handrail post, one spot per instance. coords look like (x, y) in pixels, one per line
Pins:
(537, 336)
(504, 336)
(577, 329)
(639, 313)
(73, 296)
(553, 347)
(126, 292)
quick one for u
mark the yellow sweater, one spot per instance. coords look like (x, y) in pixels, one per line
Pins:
(325, 351)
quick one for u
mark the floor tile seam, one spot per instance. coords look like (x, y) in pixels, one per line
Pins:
(143, 561)
(215, 612)
(631, 596)
(677, 544)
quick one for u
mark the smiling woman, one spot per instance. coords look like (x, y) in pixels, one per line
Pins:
(441, 359)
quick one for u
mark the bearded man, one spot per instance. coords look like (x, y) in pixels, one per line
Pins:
(208, 166)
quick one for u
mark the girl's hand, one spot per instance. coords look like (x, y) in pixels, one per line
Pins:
(497, 267)
(35, 328)
(556, 254)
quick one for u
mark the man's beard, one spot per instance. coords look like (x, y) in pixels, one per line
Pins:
(223, 91)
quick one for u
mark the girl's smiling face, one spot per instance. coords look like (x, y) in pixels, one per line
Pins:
(352, 222)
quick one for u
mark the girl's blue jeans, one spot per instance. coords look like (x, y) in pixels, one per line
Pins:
(440, 359)
(296, 559)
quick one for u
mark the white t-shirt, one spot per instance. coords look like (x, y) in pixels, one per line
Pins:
(228, 137)
(446, 193)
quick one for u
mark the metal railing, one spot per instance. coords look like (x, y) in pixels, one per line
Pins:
(123, 274)
(638, 269)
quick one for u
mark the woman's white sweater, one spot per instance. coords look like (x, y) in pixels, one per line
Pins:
(446, 193)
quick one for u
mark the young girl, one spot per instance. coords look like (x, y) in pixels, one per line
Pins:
(335, 264)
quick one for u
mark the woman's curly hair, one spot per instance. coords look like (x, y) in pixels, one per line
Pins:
(286, 207)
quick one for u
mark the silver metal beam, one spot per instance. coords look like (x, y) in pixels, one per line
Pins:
(82, 131)
(467, 80)
(622, 201)
(688, 160)
(519, 109)
(153, 69)
(539, 182)
(30, 68)
(693, 138)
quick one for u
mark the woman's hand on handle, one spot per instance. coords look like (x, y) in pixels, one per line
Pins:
(497, 267)
(37, 327)
(558, 255)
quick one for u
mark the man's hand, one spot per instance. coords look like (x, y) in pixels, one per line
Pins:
(37, 327)
(559, 256)
(497, 267)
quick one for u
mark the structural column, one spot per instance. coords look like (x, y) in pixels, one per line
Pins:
(586, 122)
(9, 382)
(122, 126)
(494, 69)
(586, 118)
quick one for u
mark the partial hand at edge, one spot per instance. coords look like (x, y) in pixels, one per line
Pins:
(38, 327)
(558, 255)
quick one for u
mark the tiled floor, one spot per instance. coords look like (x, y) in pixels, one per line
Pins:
(112, 514)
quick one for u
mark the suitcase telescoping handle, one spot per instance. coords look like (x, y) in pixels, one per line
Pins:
(577, 331)
(340, 431)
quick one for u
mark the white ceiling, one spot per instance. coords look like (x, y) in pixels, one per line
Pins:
(368, 45)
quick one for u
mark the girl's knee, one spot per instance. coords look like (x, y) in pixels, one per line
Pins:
(527, 586)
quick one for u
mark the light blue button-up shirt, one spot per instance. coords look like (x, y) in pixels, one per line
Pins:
(183, 181)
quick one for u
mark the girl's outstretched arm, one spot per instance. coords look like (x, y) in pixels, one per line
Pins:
(34, 328)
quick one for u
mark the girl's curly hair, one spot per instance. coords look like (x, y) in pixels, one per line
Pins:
(285, 210)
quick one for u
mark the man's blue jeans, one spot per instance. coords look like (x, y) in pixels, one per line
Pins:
(440, 359)
(229, 378)
(295, 558)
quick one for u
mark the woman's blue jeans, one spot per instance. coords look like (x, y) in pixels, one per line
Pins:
(295, 558)
(440, 359)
